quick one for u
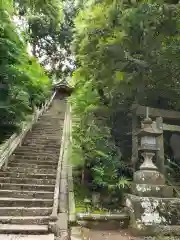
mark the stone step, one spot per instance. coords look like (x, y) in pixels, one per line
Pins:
(30, 165)
(41, 137)
(35, 145)
(34, 142)
(26, 187)
(21, 202)
(24, 220)
(31, 153)
(51, 122)
(34, 151)
(26, 194)
(39, 147)
(46, 129)
(54, 130)
(51, 119)
(23, 175)
(44, 136)
(27, 181)
(10, 229)
(35, 157)
(48, 124)
(42, 141)
(31, 170)
(44, 132)
(25, 211)
(34, 161)
(52, 125)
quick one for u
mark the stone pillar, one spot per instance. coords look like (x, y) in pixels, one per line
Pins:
(160, 145)
(152, 207)
(134, 157)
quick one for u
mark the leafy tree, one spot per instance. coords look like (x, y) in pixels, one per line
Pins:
(49, 33)
(126, 52)
(23, 83)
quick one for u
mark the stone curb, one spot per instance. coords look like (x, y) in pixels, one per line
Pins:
(75, 233)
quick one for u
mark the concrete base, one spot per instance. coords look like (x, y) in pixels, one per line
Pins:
(150, 215)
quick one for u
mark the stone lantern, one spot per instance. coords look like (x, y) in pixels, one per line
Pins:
(150, 197)
(148, 173)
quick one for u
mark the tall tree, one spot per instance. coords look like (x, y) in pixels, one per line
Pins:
(23, 82)
(126, 51)
(48, 26)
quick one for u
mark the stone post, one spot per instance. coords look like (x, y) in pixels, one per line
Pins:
(160, 145)
(134, 157)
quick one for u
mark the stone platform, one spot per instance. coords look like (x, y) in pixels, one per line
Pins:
(151, 215)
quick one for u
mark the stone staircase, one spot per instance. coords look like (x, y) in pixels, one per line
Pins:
(27, 183)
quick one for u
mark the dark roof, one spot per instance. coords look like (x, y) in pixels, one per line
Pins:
(63, 85)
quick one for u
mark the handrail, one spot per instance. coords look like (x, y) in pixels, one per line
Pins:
(63, 196)
(58, 174)
(71, 200)
(62, 157)
(11, 144)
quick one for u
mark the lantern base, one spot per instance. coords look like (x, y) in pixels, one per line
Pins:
(152, 177)
(147, 190)
(150, 216)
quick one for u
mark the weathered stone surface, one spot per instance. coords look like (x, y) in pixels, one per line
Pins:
(146, 213)
(62, 221)
(72, 210)
(149, 177)
(103, 221)
(91, 234)
(146, 190)
(101, 217)
(165, 232)
(27, 237)
(71, 199)
(24, 229)
(27, 184)
(105, 225)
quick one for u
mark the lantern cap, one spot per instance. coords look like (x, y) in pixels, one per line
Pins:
(149, 129)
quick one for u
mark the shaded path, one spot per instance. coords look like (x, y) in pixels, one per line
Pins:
(78, 233)
(107, 235)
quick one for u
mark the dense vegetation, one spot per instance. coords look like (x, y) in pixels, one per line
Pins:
(23, 81)
(48, 30)
(126, 52)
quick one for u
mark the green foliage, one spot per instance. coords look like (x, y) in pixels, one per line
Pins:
(23, 83)
(49, 26)
(126, 52)
(50, 8)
